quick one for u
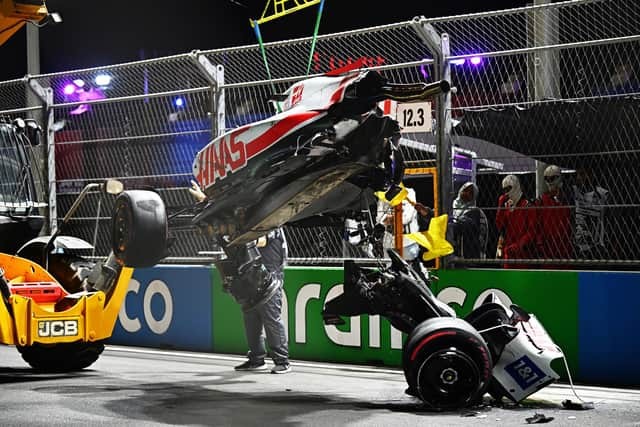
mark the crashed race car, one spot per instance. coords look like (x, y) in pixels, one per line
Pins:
(57, 306)
(450, 362)
(329, 146)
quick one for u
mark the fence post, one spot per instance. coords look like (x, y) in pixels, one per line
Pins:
(215, 76)
(544, 28)
(438, 45)
(49, 153)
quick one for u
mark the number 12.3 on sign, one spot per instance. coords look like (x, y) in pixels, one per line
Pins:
(414, 117)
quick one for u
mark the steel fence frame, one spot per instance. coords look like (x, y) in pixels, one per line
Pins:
(131, 130)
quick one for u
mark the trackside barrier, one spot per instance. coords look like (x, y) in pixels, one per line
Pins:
(590, 315)
(167, 307)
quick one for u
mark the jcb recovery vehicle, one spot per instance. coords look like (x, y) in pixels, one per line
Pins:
(56, 305)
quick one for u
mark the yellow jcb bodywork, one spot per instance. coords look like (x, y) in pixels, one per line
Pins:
(14, 15)
(25, 321)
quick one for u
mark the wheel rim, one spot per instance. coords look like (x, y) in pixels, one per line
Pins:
(122, 219)
(448, 378)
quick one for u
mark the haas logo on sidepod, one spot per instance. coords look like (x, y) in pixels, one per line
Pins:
(227, 154)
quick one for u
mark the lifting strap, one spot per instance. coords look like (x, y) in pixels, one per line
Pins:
(277, 14)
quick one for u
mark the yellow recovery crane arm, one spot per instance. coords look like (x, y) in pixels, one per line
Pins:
(14, 14)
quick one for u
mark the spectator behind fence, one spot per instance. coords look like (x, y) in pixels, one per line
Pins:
(590, 200)
(468, 227)
(554, 238)
(623, 79)
(515, 221)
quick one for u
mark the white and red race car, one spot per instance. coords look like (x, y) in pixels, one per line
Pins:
(330, 145)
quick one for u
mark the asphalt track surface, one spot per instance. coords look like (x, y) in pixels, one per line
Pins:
(146, 387)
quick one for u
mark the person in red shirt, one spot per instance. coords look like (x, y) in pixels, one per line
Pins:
(554, 235)
(515, 221)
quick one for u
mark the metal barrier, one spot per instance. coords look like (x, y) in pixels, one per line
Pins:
(553, 84)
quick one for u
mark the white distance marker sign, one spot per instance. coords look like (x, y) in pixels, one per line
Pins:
(414, 117)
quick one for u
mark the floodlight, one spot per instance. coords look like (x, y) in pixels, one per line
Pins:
(103, 79)
(55, 17)
(69, 89)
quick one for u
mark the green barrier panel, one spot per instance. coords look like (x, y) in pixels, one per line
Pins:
(551, 295)
(362, 340)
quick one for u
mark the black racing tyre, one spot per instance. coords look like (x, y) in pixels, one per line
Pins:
(139, 228)
(446, 363)
(65, 357)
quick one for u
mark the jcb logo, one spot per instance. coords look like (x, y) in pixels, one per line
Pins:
(57, 328)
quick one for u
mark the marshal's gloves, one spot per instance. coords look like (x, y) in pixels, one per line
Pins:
(197, 192)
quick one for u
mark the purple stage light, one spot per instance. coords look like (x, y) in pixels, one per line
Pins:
(80, 109)
(69, 89)
(92, 94)
(424, 71)
(459, 61)
(476, 60)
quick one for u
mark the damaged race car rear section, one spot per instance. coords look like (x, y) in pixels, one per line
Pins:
(450, 362)
(56, 306)
(327, 148)
(328, 145)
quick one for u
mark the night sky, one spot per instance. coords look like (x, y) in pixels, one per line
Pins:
(96, 33)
